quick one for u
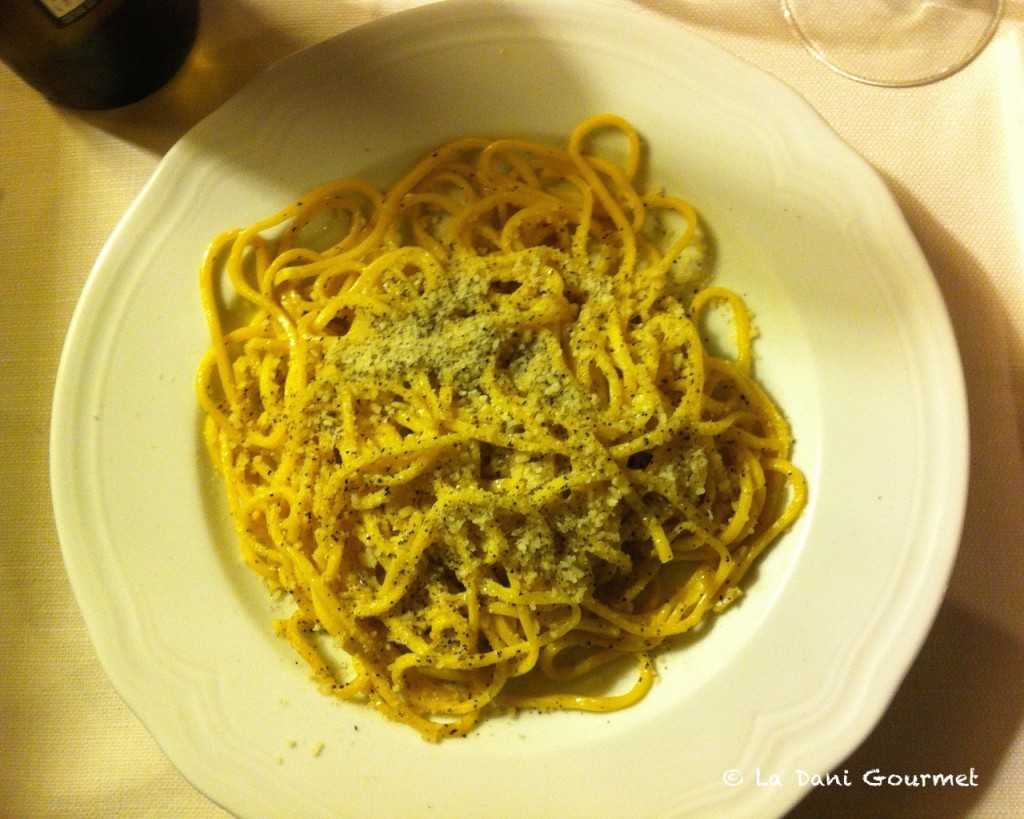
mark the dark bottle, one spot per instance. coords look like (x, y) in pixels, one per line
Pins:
(93, 54)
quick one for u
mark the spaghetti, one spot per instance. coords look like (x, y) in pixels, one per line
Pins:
(470, 427)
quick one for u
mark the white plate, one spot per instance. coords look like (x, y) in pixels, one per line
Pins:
(855, 343)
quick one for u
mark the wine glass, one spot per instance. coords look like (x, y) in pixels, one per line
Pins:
(894, 42)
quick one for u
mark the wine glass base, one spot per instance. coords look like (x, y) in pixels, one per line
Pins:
(894, 42)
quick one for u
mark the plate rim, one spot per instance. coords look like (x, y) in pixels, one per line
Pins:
(97, 287)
